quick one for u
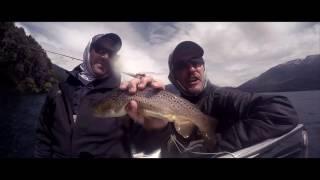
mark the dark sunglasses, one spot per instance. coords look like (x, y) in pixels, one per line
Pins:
(101, 50)
(184, 64)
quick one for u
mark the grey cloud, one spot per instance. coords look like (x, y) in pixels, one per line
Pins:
(234, 52)
(158, 32)
(258, 46)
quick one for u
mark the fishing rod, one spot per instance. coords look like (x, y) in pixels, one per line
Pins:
(135, 75)
(64, 55)
(73, 58)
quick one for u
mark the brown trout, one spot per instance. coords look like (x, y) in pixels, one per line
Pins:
(159, 104)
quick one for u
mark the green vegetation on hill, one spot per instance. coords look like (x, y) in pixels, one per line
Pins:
(24, 65)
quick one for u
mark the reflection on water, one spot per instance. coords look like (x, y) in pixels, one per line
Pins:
(307, 104)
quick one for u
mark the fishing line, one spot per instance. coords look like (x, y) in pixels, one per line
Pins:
(197, 144)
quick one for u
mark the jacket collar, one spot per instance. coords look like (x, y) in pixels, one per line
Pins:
(195, 99)
(112, 81)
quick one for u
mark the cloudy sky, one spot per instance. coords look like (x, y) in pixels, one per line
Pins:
(234, 52)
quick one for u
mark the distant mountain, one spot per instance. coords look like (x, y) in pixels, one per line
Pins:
(24, 65)
(295, 75)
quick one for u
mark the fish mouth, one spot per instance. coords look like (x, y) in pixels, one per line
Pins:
(98, 113)
(110, 113)
(106, 114)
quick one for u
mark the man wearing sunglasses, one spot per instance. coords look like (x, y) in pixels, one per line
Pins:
(243, 118)
(67, 126)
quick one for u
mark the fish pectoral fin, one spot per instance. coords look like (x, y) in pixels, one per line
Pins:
(184, 128)
(148, 113)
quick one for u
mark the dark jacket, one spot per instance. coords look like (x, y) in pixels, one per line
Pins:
(243, 118)
(67, 128)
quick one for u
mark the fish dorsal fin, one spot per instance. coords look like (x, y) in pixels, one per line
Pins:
(184, 128)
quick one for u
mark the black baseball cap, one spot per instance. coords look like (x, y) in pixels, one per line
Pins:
(186, 52)
(107, 43)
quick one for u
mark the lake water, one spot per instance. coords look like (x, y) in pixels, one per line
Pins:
(307, 104)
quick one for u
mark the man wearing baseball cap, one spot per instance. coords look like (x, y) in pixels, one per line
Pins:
(242, 119)
(67, 127)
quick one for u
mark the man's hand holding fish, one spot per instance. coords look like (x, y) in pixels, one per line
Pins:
(140, 83)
